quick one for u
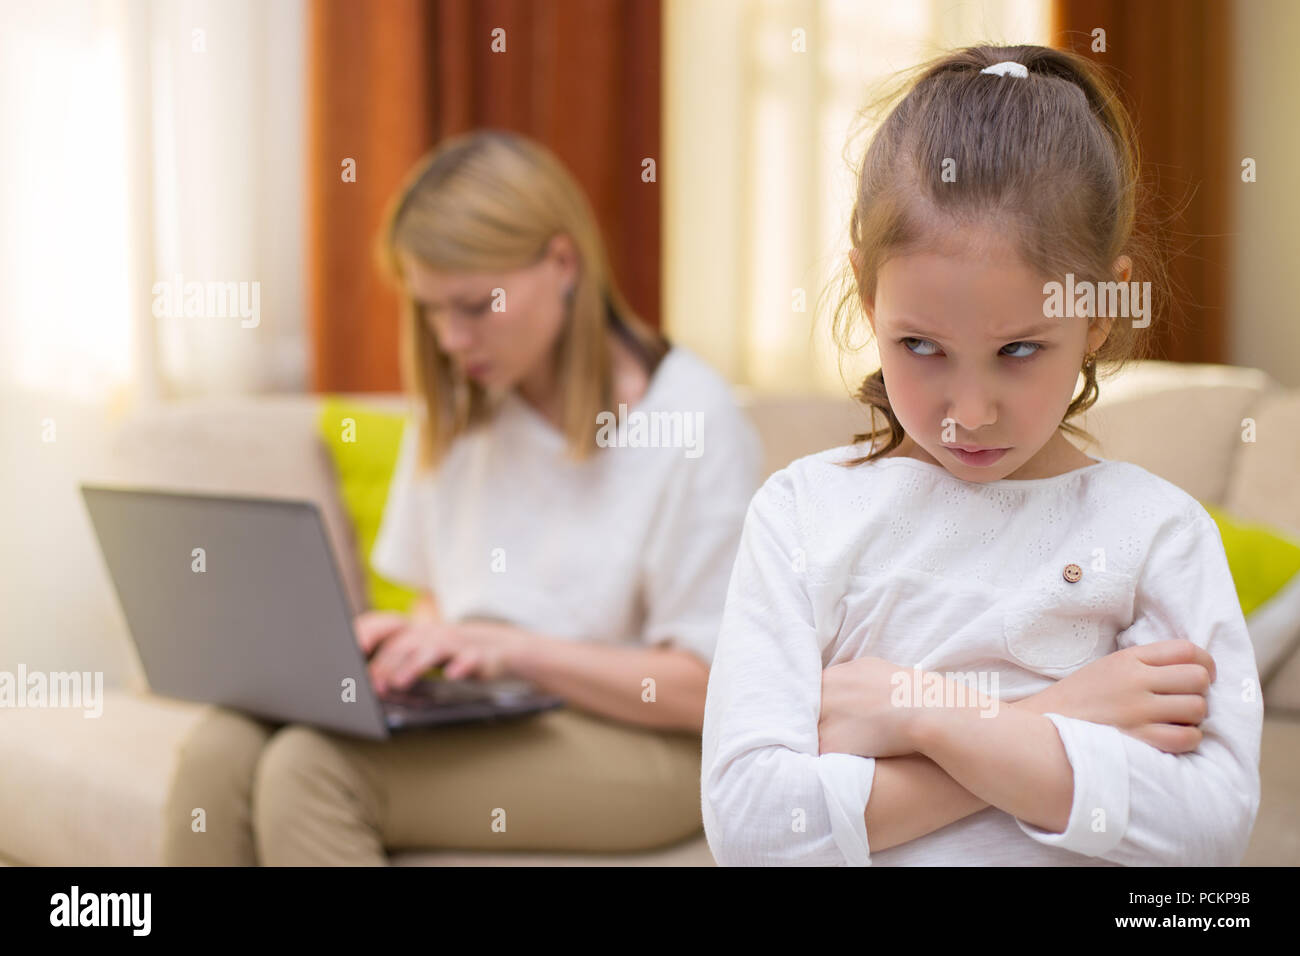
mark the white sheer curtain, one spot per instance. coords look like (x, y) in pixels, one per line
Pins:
(757, 190)
(146, 139)
(139, 140)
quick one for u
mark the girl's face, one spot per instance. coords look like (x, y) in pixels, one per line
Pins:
(500, 328)
(970, 359)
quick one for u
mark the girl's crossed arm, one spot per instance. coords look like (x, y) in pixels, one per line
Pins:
(1130, 689)
(1157, 793)
(771, 796)
(981, 754)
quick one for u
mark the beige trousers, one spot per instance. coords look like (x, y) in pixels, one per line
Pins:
(564, 780)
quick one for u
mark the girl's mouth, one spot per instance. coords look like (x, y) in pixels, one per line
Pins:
(979, 459)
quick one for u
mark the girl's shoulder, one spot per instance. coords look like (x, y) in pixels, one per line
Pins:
(1167, 507)
(815, 482)
(838, 464)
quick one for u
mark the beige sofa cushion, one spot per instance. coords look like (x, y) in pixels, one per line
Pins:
(90, 791)
(1180, 422)
(791, 426)
(1264, 482)
(1264, 486)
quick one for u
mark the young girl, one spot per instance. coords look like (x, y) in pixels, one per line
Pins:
(964, 642)
(591, 563)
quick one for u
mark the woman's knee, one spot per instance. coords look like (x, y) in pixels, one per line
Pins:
(674, 792)
(307, 788)
(207, 818)
(645, 784)
(297, 759)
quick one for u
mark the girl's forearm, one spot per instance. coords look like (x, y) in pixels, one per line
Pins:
(911, 796)
(1013, 760)
(610, 680)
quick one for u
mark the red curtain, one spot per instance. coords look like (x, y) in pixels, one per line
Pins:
(387, 81)
(1172, 59)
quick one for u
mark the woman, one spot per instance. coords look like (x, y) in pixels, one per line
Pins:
(591, 561)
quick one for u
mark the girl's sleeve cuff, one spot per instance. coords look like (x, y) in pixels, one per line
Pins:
(1099, 812)
(846, 784)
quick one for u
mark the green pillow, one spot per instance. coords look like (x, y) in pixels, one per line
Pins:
(1261, 560)
(363, 443)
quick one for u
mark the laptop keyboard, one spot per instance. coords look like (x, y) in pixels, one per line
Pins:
(430, 702)
(431, 694)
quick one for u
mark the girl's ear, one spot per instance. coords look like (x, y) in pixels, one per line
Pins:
(1123, 268)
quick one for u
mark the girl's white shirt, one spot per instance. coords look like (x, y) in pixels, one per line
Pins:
(902, 560)
(632, 546)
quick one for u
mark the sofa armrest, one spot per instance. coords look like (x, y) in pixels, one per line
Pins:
(90, 791)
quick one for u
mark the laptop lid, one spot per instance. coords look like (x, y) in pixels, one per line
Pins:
(237, 601)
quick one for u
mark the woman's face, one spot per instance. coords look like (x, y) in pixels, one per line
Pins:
(970, 358)
(500, 328)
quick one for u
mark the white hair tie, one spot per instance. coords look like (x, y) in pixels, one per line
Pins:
(1007, 66)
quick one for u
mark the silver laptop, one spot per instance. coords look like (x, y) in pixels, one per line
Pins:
(237, 600)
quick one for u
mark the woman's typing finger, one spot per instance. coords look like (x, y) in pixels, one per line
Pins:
(387, 662)
(373, 627)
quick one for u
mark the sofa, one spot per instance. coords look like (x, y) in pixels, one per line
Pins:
(92, 792)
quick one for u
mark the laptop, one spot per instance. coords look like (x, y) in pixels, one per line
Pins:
(237, 601)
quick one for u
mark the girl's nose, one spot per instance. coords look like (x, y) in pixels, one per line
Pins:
(972, 412)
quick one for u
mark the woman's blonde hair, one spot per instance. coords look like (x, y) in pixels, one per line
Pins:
(1050, 160)
(491, 201)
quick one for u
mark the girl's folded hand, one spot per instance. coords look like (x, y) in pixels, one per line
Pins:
(1154, 692)
(857, 715)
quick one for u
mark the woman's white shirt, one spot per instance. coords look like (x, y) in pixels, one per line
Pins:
(634, 545)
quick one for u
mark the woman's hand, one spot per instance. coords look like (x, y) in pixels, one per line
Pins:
(401, 648)
(858, 716)
(1153, 692)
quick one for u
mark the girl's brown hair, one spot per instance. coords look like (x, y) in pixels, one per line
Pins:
(490, 201)
(1050, 160)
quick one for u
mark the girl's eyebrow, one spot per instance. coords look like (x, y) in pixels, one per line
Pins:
(1043, 327)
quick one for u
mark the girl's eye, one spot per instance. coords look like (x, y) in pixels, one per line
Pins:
(1034, 345)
